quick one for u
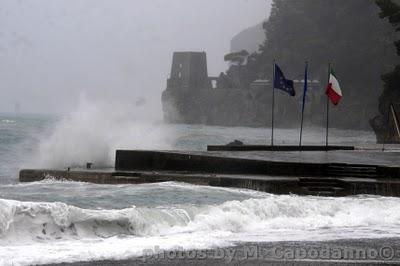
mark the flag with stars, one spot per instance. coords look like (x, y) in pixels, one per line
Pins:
(281, 83)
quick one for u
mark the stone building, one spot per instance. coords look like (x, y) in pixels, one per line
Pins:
(189, 71)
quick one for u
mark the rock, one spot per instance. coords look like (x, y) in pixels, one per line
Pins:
(235, 143)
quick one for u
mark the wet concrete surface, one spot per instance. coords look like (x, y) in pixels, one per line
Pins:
(369, 157)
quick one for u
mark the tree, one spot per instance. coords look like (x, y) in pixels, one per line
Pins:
(348, 34)
(391, 89)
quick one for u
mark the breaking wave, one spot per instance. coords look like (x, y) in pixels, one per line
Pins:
(56, 232)
(271, 218)
(94, 131)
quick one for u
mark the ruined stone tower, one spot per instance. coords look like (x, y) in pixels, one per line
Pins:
(189, 71)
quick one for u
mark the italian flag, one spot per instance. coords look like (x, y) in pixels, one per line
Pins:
(333, 90)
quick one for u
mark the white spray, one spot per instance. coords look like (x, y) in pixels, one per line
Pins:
(95, 130)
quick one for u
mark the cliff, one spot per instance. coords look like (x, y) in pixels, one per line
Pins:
(233, 107)
(387, 123)
(249, 39)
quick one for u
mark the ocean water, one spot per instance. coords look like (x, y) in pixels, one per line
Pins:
(54, 221)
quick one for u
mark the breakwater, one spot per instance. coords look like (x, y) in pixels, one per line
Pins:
(333, 173)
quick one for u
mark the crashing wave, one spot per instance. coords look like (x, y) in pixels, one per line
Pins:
(57, 232)
(26, 222)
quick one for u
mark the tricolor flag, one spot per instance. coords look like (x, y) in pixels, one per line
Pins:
(333, 90)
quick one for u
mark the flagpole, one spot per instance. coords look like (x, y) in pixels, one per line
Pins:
(273, 103)
(386, 133)
(385, 138)
(327, 110)
(302, 110)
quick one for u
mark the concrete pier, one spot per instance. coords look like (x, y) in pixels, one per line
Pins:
(336, 173)
(278, 148)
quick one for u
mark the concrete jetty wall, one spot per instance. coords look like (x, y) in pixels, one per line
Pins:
(304, 178)
(327, 186)
(97, 176)
(175, 161)
(128, 160)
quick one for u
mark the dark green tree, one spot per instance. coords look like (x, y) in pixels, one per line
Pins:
(391, 88)
(348, 34)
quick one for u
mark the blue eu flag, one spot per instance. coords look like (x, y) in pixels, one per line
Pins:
(281, 83)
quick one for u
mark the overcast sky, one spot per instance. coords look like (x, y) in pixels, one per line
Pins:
(53, 50)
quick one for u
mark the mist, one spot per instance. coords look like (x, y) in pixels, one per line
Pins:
(94, 131)
(52, 52)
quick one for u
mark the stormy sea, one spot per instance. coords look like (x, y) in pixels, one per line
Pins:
(52, 221)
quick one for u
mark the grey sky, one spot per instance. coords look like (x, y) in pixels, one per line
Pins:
(53, 50)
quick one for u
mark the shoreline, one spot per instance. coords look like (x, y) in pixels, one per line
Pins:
(384, 251)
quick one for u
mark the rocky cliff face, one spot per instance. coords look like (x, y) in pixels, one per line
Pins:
(387, 123)
(226, 107)
(249, 39)
(240, 107)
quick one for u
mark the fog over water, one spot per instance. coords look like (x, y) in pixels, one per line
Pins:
(52, 52)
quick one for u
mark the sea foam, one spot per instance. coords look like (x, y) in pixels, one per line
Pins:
(76, 234)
